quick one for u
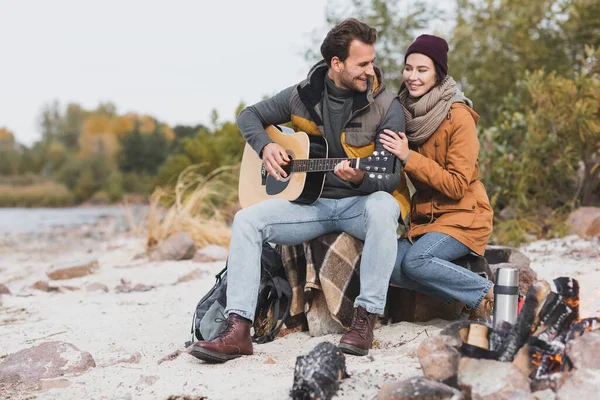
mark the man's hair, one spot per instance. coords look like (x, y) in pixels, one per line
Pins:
(337, 42)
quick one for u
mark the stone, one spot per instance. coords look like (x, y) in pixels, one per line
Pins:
(211, 253)
(428, 308)
(45, 361)
(58, 383)
(44, 286)
(178, 246)
(584, 352)
(505, 254)
(552, 382)
(439, 356)
(547, 394)
(320, 321)
(72, 269)
(192, 276)
(585, 222)
(147, 380)
(583, 384)
(492, 380)
(123, 358)
(127, 287)
(96, 287)
(4, 289)
(418, 388)
(173, 355)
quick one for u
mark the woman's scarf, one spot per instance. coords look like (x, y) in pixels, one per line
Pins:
(425, 114)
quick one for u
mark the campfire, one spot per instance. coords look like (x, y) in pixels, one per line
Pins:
(539, 352)
(536, 342)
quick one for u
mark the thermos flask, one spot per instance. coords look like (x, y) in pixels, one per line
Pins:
(506, 295)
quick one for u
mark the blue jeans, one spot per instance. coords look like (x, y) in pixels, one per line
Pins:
(372, 218)
(425, 267)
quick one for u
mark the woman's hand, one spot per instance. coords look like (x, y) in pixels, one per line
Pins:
(395, 143)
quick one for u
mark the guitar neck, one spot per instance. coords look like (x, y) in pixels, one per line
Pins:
(320, 164)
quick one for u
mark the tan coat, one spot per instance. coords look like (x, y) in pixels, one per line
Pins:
(444, 170)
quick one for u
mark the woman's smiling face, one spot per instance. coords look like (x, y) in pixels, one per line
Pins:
(419, 74)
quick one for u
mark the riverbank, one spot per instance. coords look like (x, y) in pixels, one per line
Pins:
(129, 331)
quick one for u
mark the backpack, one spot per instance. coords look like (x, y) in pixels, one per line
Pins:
(274, 299)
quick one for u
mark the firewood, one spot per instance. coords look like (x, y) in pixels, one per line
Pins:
(536, 295)
(568, 290)
(318, 375)
(478, 336)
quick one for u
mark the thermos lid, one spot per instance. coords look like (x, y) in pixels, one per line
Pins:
(507, 277)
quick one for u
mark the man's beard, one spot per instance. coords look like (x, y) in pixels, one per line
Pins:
(352, 83)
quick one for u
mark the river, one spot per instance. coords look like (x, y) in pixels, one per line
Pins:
(35, 220)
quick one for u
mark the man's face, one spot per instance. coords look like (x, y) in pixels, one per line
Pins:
(355, 71)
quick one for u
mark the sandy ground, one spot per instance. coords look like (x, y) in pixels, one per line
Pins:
(154, 323)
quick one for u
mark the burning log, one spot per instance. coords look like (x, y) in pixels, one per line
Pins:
(568, 290)
(526, 322)
(318, 375)
(499, 335)
(583, 326)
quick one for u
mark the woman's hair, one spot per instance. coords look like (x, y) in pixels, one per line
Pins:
(440, 75)
(337, 42)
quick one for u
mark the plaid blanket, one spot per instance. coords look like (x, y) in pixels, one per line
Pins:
(329, 263)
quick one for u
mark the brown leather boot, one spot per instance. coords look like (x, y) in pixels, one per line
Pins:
(357, 341)
(233, 342)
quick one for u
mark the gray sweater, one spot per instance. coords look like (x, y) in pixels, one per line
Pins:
(276, 111)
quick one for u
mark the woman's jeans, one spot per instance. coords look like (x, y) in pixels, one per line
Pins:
(425, 267)
(372, 218)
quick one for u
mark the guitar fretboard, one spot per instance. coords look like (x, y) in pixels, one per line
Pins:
(318, 164)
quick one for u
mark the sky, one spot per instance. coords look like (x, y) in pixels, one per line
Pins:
(174, 60)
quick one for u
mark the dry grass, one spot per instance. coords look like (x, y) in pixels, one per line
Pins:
(42, 194)
(195, 206)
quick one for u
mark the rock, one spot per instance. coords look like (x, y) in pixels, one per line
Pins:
(553, 382)
(439, 357)
(320, 321)
(44, 286)
(493, 380)
(584, 352)
(186, 397)
(172, 356)
(585, 222)
(178, 246)
(4, 289)
(59, 383)
(505, 254)
(192, 276)
(72, 269)
(125, 358)
(96, 287)
(126, 287)
(211, 253)
(147, 380)
(475, 263)
(428, 308)
(45, 361)
(547, 394)
(583, 384)
(418, 388)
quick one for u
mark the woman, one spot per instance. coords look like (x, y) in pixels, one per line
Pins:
(450, 211)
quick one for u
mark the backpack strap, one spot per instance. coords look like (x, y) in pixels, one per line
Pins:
(280, 287)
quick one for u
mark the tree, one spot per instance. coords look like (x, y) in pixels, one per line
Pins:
(495, 43)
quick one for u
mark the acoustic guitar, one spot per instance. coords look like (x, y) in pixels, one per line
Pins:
(305, 171)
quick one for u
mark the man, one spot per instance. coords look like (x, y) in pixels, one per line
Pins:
(345, 100)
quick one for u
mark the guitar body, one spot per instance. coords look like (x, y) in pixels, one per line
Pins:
(256, 185)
